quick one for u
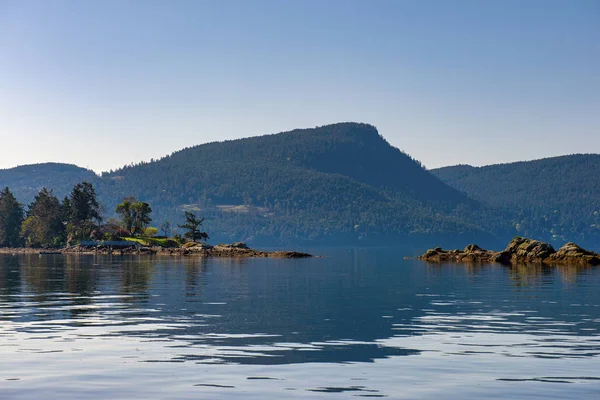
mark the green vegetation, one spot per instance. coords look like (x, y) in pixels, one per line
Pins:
(150, 231)
(46, 220)
(11, 218)
(554, 199)
(339, 184)
(50, 223)
(135, 215)
(151, 241)
(26, 181)
(82, 212)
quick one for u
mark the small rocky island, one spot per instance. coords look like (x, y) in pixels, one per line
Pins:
(235, 250)
(519, 250)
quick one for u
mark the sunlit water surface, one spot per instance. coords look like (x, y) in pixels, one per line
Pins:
(354, 324)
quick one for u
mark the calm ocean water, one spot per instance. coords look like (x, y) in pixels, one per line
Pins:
(354, 324)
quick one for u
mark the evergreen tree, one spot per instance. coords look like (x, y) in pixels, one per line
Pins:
(83, 211)
(11, 218)
(192, 225)
(44, 226)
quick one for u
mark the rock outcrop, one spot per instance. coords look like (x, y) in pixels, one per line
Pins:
(573, 254)
(519, 250)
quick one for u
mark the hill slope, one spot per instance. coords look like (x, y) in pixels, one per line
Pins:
(554, 198)
(338, 182)
(27, 180)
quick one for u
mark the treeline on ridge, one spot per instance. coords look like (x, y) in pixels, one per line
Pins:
(345, 184)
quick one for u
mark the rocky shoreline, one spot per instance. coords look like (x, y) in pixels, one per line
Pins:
(519, 250)
(235, 250)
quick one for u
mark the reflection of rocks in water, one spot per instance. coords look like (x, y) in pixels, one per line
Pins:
(524, 275)
(471, 268)
(534, 274)
(569, 273)
(194, 269)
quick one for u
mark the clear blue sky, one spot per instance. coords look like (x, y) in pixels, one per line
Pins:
(105, 83)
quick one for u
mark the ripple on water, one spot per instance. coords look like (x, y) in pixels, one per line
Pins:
(220, 330)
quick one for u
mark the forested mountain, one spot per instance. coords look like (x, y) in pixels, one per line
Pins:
(340, 183)
(26, 181)
(343, 184)
(552, 199)
(337, 182)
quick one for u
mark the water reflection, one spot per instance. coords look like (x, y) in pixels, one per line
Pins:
(352, 308)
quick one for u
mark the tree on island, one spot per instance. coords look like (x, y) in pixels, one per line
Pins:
(11, 218)
(135, 215)
(44, 226)
(82, 211)
(192, 226)
(165, 227)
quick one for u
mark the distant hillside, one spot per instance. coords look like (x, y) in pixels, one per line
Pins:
(344, 184)
(26, 181)
(337, 182)
(554, 198)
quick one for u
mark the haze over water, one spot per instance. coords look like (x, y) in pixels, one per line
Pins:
(354, 324)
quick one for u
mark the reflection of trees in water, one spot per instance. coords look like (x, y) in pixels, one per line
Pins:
(81, 277)
(135, 277)
(58, 282)
(10, 277)
(51, 275)
(44, 275)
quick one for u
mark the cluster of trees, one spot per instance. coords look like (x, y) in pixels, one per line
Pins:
(48, 222)
(135, 215)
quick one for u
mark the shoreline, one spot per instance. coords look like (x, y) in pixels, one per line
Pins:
(222, 251)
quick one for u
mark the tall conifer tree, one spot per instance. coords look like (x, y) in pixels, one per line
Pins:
(11, 218)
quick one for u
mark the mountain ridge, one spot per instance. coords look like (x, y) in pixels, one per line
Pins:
(553, 198)
(342, 183)
(339, 182)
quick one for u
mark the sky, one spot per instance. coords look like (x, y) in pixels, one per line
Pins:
(106, 83)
